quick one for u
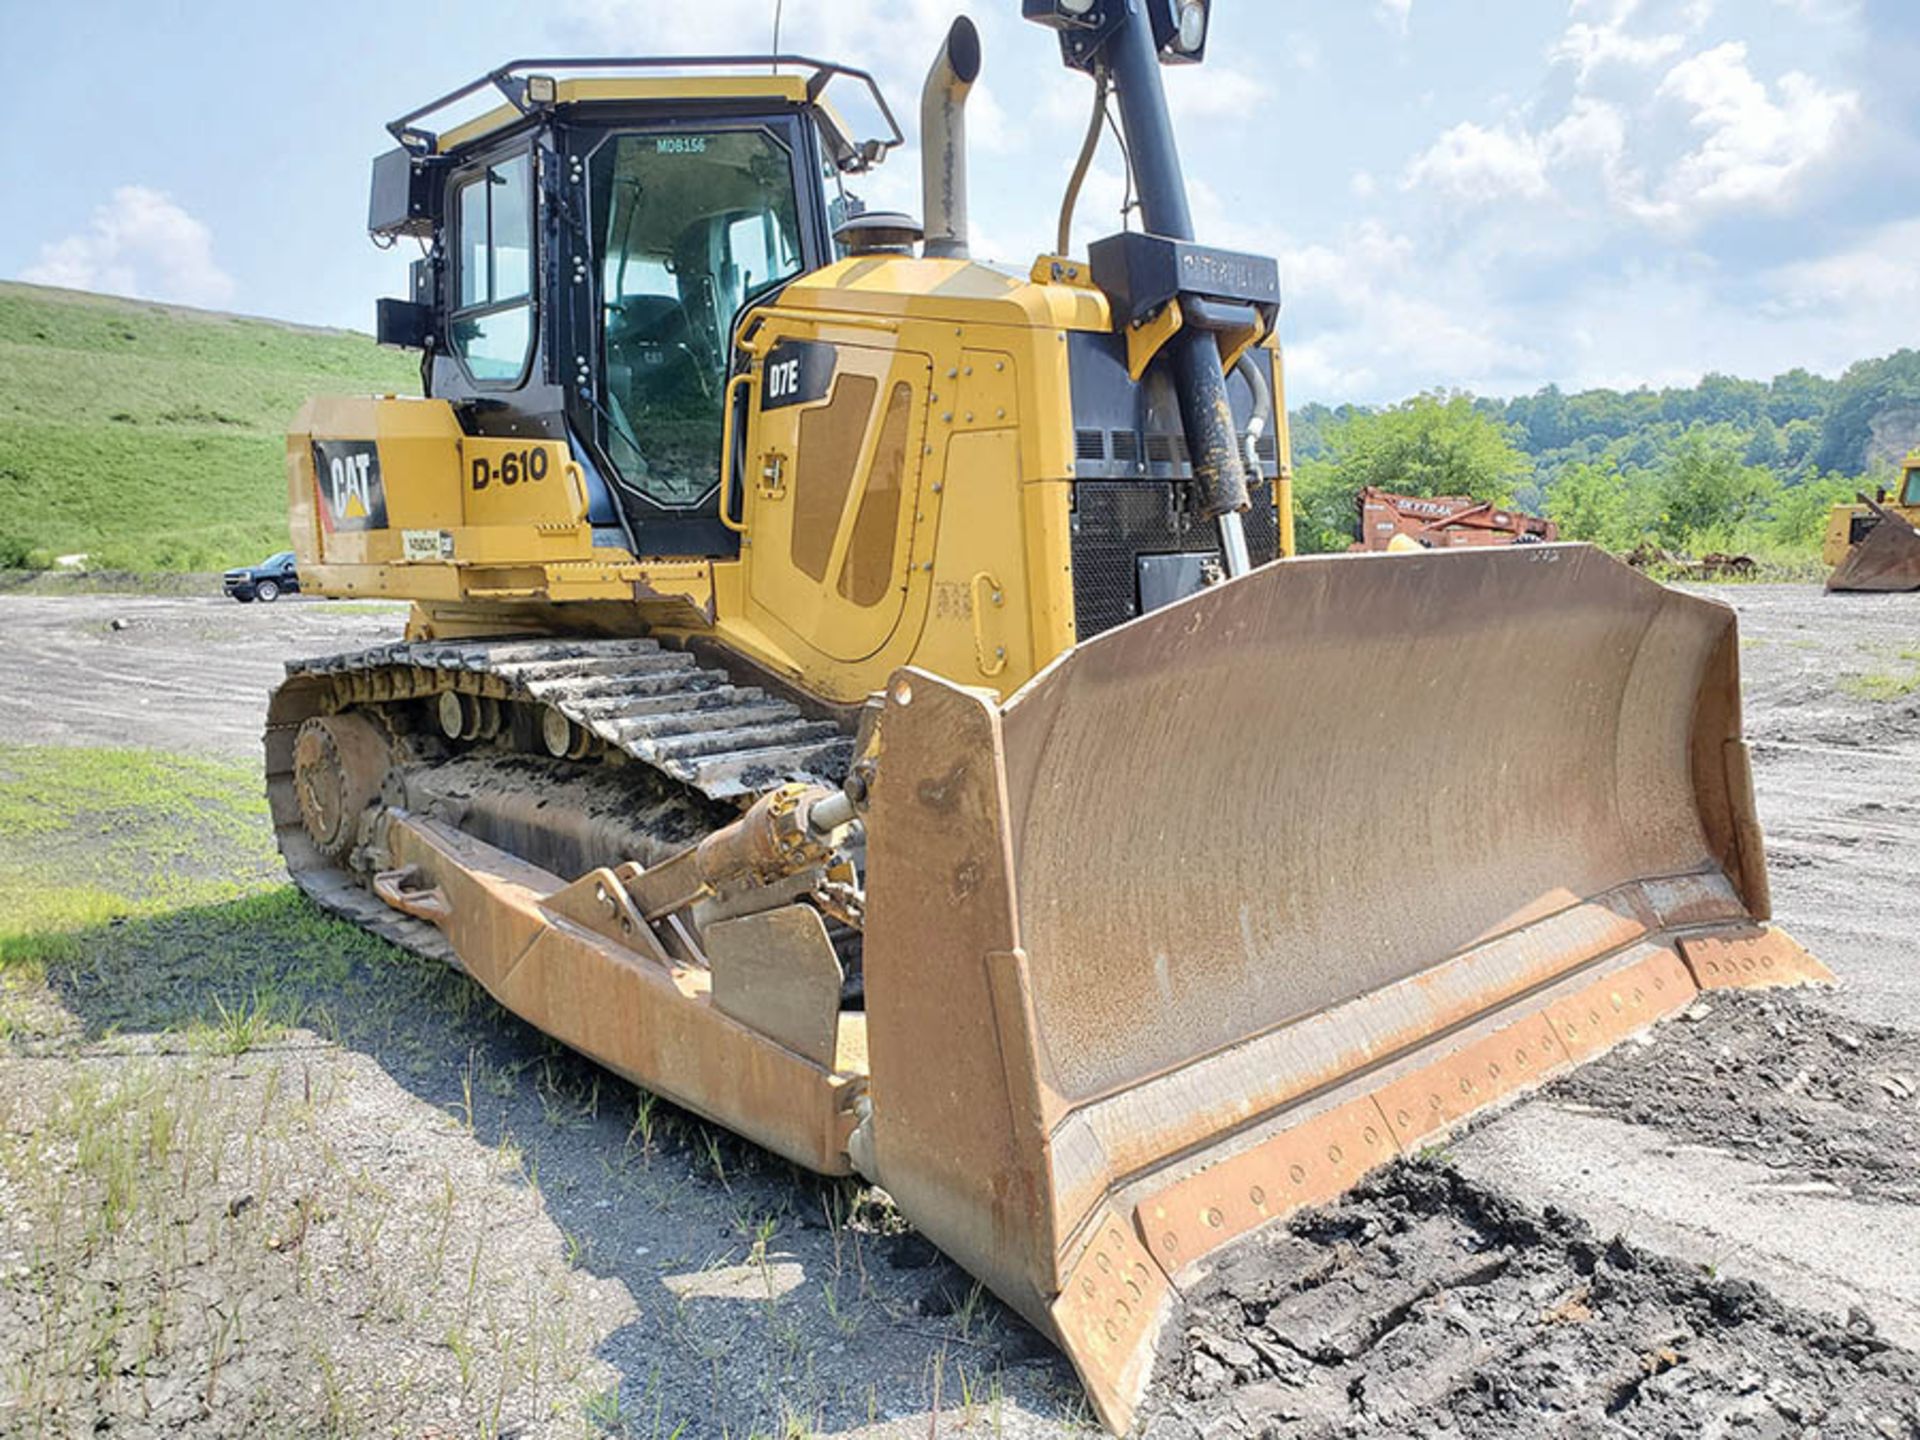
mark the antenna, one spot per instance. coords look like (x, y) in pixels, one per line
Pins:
(778, 6)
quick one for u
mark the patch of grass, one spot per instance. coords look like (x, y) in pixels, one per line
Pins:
(151, 437)
(45, 790)
(197, 1224)
(93, 837)
(190, 1230)
(107, 582)
(144, 892)
(39, 925)
(1881, 686)
(229, 975)
(237, 1030)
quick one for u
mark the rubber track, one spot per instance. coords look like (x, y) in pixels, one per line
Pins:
(659, 706)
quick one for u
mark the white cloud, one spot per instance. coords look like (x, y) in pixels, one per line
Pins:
(1231, 220)
(1433, 345)
(1594, 132)
(1824, 10)
(1876, 272)
(1756, 145)
(1475, 164)
(1199, 93)
(1398, 13)
(139, 243)
(1375, 318)
(1368, 317)
(733, 27)
(1669, 322)
(987, 125)
(1589, 47)
(1368, 253)
(1745, 145)
(1689, 15)
(1546, 233)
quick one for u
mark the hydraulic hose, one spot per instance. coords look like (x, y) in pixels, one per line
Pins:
(1248, 369)
(1219, 477)
(1088, 148)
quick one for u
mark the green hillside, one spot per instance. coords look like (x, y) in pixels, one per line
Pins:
(152, 437)
(1734, 465)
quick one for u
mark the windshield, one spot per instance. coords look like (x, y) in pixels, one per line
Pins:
(693, 227)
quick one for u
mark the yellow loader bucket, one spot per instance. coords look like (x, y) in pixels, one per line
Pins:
(1240, 900)
(1887, 559)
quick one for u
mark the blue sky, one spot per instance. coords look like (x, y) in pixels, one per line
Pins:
(1485, 194)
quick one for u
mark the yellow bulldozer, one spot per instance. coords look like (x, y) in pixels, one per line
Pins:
(868, 697)
(1874, 544)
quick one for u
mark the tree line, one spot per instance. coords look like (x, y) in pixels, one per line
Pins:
(1733, 465)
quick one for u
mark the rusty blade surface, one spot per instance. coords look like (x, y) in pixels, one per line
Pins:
(1228, 871)
(1303, 788)
(1888, 559)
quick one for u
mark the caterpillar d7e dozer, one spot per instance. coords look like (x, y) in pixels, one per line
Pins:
(864, 695)
(1874, 544)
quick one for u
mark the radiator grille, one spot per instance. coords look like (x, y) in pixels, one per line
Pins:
(1117, 521)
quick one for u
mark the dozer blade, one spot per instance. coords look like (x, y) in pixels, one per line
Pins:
(1240, 900)
(1887, 559)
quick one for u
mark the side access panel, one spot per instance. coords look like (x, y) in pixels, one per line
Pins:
(834, 462)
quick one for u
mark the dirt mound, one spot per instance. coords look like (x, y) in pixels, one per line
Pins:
(1424, 1303)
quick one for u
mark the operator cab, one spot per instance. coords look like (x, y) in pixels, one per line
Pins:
(695, 226)
(589, 248)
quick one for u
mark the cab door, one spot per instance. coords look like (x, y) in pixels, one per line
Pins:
(836, 434)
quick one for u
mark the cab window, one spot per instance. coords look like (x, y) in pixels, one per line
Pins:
(693, 227)
(493, 317)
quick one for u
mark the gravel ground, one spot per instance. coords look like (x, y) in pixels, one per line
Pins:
(179, 674)
(1427, 1303)
(1834, 768)
(690, 1281)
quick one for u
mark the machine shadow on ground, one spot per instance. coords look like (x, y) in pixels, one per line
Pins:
(748, 1296)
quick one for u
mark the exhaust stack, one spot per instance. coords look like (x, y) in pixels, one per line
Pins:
(943, 140)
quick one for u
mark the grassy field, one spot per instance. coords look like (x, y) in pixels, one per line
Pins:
(206, 1231)
(152, 437)
(263, 1174)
